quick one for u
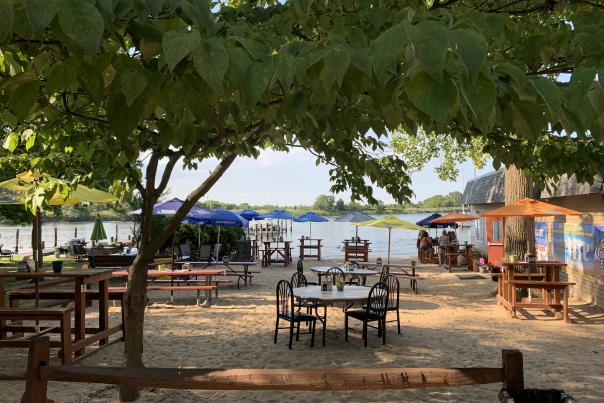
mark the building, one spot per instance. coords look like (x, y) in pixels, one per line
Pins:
(576, 240)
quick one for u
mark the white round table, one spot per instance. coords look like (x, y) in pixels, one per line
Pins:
(355, 272)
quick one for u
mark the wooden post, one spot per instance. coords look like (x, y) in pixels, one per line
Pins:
(55, 237)
(75, 232)
(17, 241)
(116, 233)
(39, 356)
(513, 370)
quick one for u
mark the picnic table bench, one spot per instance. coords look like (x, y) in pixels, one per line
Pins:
(246, 275)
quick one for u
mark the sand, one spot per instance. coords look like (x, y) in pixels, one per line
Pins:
(450, 323)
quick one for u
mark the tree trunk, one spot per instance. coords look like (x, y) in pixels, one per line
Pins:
(135, 302)
(519, 231)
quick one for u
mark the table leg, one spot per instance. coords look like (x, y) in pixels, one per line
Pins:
(2, 296)
(324, 323)
(565, 305)
(245, 272)
(210, 291)
(80, 313)
(103, 309)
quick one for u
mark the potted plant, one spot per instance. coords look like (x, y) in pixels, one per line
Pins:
(340, 285)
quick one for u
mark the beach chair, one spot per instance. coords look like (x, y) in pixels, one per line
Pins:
(185, 252)
(374, 311)
(205, 253)
(6, 253)
(286, 311)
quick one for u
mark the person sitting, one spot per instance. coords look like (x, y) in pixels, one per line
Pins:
(452, 237)
(443, 244)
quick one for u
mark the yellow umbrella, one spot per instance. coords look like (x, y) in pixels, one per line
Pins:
(21, 184)
(389, 222)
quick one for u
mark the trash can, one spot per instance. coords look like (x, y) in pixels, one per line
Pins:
(535, 396)
(495, 270)
(57, 266)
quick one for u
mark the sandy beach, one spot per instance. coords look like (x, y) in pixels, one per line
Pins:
(450, 323)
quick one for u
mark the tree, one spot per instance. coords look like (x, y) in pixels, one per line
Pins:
(519, 231)
(121, 87)
(325, 203)
(340, 206)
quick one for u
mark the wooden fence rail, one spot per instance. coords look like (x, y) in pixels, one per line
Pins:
(39, 373)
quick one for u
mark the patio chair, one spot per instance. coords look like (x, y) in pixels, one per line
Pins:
(385, 272)
(299, 280)
(185, 251)
(336, 272)
(393, 298)
(205, 253)
(286, 311)
(300, 269)
(374, 311)
(6, 253)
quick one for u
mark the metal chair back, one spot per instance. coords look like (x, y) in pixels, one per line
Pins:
(393, 285)
(377, 301)
(335, 273)
(285, 298)
(385, 272)
(298, 280)
(300, 267)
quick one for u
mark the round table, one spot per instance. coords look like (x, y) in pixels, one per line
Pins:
(349, 295)
(363, 273)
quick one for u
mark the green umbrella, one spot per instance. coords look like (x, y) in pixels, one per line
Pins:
(98, 232)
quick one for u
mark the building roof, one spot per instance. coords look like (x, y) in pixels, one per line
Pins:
(488, 188)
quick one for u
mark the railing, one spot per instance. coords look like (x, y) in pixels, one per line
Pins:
(39, 373)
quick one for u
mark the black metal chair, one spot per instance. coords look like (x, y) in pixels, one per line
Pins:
(385, 272)
(374, 311)
(393, 298)
(286, 311)
(299, 280)
(300, 269)
(336, 272)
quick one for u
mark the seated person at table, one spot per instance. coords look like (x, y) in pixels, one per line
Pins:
(452, 237)
(425, 246)
(443, 243)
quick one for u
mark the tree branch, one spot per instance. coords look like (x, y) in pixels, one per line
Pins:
(172, 160)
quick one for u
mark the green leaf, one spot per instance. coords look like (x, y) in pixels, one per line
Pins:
(386, 49)
(6, 19)
(361, 59)
(62, 76)
(550, 93)
(285, 69)
(336, 62)
(177, 45)
(155, 7)
(31, 141)
(528, 119)
(11, 142)
(24, 98)
(133, 84)
(430, 42)
(82, 23)
(512, 71)
(481, 97)
(472, 49)
(32, 17)
(257, 79)
(256, 49)
(212, 62)
(580, 82)
(435, 99)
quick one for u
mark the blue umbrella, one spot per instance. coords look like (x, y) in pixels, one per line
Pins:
(279, 215)
(250, 215)
(219, 218)
(310, 217)
(427, 222)
(355, 216)
(170, 207)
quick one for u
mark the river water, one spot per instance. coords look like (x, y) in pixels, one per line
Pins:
(332, 233)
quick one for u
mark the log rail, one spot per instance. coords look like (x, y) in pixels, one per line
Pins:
(39, 373)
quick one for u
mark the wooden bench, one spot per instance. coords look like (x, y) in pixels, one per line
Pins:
(62, 315)
(546, 287)
(215, 282)
(207, 288)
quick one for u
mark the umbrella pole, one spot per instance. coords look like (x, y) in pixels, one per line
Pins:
(36, 253)
(389, 234)
(218, 244)
(310, 229)
(199, 241)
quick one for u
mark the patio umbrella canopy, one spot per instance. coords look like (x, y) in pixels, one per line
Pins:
(389, 222)
(98, 231)
(170, 207)
(428, 222)
(530, 208)
(455, 217)
(219, 218)
(355, 216)
(250, 215)
(311, 217)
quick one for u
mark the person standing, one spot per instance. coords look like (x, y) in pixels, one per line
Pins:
(443, 244)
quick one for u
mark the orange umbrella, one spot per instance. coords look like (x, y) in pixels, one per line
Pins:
(530, 208)
(455, 217)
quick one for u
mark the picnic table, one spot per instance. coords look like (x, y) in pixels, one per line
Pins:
(356, 249)
(543, 275)
(273, 253)
(453, 251)
(349, 296)
(399, 270)
(307, 246)
(178, 278)
(350, 272)
(231, 268)
(82, 280)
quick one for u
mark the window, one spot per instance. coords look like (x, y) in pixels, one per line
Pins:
(497, 230)
(479, 227)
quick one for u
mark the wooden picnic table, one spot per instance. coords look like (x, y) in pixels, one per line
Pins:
(307, 246)
(245, 275)
(82, 280)
(283, 254)
(356, 249)
(543, 275)
(453, 251)
(349, 296)
(187, 275)
(351, 272)
(399, 270)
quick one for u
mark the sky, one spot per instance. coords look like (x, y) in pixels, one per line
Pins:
(293, 178)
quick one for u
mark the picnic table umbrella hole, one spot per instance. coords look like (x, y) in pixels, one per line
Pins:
(389, 222)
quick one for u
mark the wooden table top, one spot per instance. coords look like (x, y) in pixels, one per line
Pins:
(160, 273)
(65, 273)
(349, 294)
(360, 272)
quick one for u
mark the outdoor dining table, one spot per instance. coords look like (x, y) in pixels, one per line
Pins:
(283, 253)
(230, 266)
(82, 279)
(352, 272)
(349, 296)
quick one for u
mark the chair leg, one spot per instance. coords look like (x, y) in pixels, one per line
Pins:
(276, 329)
(365, 333)
(313, 325)
(398, 321)
(291, 333)
(384, 331)
(298, 332)
(346, 327)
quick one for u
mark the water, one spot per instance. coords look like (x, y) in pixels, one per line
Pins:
(403, 242)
